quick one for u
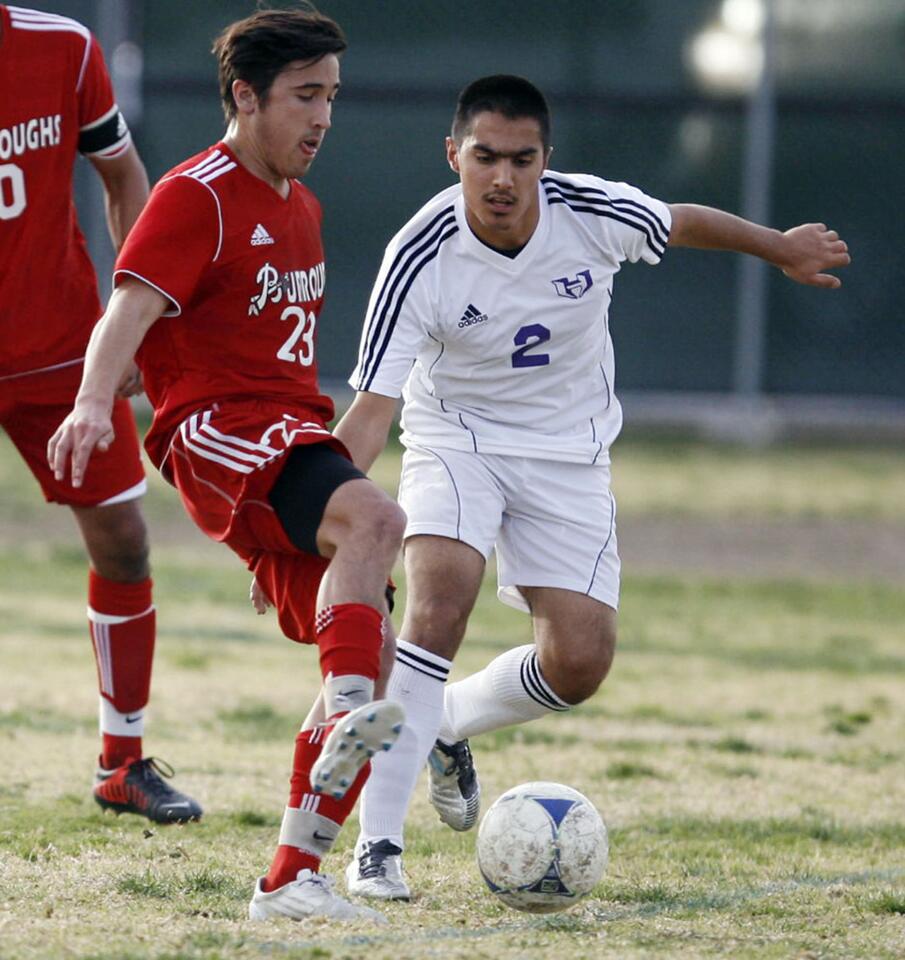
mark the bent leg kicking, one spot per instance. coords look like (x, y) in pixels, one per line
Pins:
(359, 530)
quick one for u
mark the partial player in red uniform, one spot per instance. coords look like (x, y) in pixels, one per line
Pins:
(57, 101)
(219, 290)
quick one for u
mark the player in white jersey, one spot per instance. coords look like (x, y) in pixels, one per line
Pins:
(490, 317)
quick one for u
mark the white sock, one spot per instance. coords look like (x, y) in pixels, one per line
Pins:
(417, 683)
(510, 689)
(111, 721)
(346, 692)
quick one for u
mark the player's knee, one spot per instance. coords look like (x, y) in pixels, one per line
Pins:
(436, 622)
(576, 673)
(381, 526)
(118, 546)
(123, 562)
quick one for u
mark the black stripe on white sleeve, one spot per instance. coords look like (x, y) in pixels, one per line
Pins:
(411, 258)
(622, 209)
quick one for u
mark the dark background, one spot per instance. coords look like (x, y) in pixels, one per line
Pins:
(627, 105)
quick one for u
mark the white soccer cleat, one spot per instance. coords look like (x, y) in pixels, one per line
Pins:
(454, 789)
(309, 895)
(376, 872)
(355, 738)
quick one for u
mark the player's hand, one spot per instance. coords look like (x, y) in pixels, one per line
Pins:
(808, 250)
(86, 429)
(131, 384)
(258, 598)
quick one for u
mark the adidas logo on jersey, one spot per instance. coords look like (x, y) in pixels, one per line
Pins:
(260, 236)
(472, 316)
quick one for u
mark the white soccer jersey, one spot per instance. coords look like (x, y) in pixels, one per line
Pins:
(509, 355)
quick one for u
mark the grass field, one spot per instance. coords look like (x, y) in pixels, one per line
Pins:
(746, 752)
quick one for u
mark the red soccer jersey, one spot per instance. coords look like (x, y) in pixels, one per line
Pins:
(244, 271)
(55, 100)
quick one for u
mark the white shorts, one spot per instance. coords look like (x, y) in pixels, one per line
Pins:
(553, 524)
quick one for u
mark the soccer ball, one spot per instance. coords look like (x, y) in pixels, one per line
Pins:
(541, 847)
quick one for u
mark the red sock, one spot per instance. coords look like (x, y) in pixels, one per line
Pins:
(349, 637)
(116, 750)
(121, 620)
(289, 860)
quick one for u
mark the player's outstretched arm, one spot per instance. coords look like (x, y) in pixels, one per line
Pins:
(365, 426)
(125, 191)
(802, 253)
(132, 310)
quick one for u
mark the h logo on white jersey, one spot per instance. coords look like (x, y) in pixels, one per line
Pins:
(260, 236)
(574, 289)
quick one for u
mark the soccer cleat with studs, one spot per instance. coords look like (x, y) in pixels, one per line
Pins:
(137, 787)
(376, 872)
(309, 895)
(453, 788)
(355, 738)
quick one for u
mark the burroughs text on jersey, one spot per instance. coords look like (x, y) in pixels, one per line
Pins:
(293, 286)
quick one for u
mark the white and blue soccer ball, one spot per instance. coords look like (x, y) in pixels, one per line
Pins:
(541, 847)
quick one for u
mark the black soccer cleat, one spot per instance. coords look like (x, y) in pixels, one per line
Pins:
(137, 787)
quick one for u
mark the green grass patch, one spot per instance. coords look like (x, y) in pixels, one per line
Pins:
(744, 752)
(251, 721)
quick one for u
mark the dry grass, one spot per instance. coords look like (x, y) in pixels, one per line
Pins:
(746, 753)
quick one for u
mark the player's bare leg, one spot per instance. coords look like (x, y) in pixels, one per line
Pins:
(575, 637)
(360, 533)
(443, 578)
(122, 623)
(574, 641)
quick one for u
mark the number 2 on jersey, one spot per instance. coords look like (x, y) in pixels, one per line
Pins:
(529, 337)
(12, 191)
(299, 347)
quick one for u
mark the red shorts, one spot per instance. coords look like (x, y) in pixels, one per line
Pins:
(33, 406)
(223, 462)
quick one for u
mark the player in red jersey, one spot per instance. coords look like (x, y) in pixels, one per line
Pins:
(57, 101)
(219, 289)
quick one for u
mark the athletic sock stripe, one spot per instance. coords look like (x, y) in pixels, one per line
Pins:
(405, 263)
(420, 665)
(536, 687)
(432, 659)
(541, 684)
(310, 802)
(101, 634)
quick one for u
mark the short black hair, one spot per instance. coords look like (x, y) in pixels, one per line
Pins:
(513, 97)
(259, 47)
